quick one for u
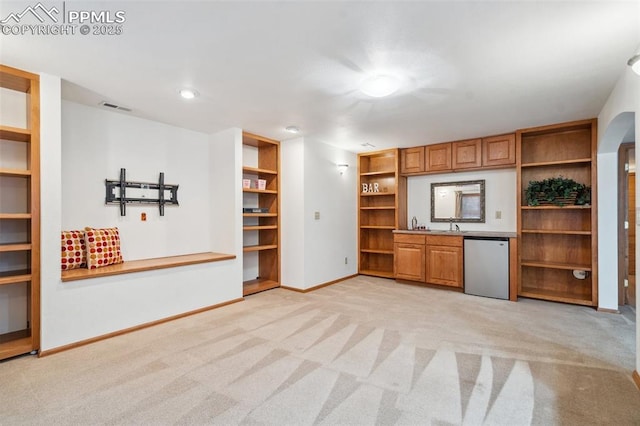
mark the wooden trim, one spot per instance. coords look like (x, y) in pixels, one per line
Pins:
(145, 265)
(249, 135)
(34, 202)
(623, 208)
(430, 285)
(636, 378)
(134, 328)
(513, 269)
(608, 311)
(319, 286)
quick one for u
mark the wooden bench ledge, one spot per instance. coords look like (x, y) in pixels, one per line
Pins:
(145, 265)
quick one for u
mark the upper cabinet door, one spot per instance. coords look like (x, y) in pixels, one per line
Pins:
(412, 160)
(437, 157)
(467, 154)
(499, 150)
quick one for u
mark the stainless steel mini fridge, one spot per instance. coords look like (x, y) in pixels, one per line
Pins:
(486, 267)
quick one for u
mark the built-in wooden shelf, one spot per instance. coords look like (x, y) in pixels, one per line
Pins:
(377, 227)
(378, 251)
(14, 277)
(15, 247)
(555, 296)
(573, 207)
(15, 134)
(15, 173)
(259, 227)
(259, 171)
(15, 216)
(586, 161)
(556, 232)
(376, 194)
(14, 346)
(379, 173)
(142, 265)
(258, 285)
(378, 208)
(259, 214)
(248, 249)
(377, 273)
(555, 265)
(259, 191)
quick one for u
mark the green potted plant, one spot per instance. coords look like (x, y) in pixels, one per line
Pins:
(559, 191)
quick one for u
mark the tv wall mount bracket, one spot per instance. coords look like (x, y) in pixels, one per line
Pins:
(122, 200)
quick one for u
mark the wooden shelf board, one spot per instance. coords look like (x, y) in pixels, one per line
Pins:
(555, 265)
(583, 207)
(13, 277)
(557, 232)
(258, 285)
(259, 228)
(16, 79)
(256, 170)
(142, 265)
(259, 248)
(375, 273)
(15, 215)
(374, 194)
(380, 173)
(15, 134)
(377, 251)
(15, 347)
(376, 227)
(557, 163)
(378, 208)
(555, 296)
(259, 191)
(15, 247)
(15, 173)
(259, 214)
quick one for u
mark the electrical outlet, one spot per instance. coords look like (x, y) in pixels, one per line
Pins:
(498, 214)
(346, 260)
(316, 215)
(143, 217)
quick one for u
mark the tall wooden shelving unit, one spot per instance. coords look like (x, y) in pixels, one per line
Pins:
(555, 241)
(381, 211)
(261, 231)
(20, 213)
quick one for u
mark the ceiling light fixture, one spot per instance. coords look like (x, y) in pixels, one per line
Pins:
(634, 63)
(292, 129)
(188, 93)
(342, 168)
(379, 85)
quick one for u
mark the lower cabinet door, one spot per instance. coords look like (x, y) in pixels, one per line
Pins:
(444, 265)
(409, 262)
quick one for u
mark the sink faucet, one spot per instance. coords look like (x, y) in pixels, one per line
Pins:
(451, 225)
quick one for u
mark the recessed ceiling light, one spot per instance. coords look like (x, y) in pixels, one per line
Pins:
(379, 85)
(188, 93)
(292, 129)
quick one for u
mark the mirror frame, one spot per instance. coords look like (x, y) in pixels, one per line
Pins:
(435, 185)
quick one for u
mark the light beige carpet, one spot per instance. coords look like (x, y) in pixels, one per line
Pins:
(364, 351)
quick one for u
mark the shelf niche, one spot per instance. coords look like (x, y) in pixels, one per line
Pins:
(556, 241)
(261, 231)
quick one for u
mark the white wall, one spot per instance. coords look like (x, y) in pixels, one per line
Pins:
(95, 145)
(314, 251)
(292, 233)
(625, 97)
(334, 236)
(500, 195)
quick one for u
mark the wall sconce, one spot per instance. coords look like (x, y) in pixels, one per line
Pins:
(342, 168)
(634, 63)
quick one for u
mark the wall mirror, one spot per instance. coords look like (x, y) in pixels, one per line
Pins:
(457, 201)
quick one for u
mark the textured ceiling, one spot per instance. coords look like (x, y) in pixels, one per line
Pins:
(468, 68)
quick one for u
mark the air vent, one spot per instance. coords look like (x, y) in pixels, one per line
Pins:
(114, 106)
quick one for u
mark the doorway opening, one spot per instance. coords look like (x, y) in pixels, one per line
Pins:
(626, 225)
